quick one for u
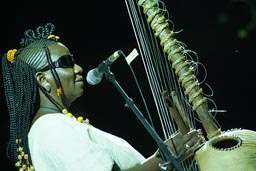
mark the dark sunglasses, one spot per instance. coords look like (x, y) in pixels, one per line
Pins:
(65, 61)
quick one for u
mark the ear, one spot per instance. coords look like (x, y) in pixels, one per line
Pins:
(42, 80)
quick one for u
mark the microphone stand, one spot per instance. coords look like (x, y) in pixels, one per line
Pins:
(164, 150)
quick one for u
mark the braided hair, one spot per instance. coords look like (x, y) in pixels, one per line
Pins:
(21, 88)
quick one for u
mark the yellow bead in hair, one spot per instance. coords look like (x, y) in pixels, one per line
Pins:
(11, 54)
(53, 36)
(23, 163)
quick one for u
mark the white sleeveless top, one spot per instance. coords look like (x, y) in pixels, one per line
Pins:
(60, 143)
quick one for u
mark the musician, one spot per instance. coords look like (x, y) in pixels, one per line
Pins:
(41, 80)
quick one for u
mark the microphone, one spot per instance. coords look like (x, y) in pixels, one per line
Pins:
(94, 76)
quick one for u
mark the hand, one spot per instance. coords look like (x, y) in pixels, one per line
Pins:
(183, 146)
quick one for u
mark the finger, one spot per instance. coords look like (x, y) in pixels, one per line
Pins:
(187, 146)
(194, 141)
(193, 133)
(190, 151)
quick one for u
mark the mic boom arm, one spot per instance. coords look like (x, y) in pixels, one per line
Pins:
(95, 75)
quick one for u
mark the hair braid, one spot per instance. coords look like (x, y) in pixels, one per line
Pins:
(21, 90)
(41, 32)
(9, 91)
(18, 79)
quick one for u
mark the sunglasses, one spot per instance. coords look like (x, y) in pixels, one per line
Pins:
(65, 61)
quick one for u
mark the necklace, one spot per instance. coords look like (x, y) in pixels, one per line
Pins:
(79, 118)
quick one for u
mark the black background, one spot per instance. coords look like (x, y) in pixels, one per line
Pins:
(95, 29)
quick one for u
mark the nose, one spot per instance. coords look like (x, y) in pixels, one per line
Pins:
(78, 69)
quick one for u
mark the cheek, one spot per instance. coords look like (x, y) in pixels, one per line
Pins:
(67, 80)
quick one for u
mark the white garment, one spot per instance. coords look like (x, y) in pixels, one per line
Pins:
(60, 143)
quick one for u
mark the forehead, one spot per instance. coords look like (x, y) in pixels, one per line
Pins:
(57, 50)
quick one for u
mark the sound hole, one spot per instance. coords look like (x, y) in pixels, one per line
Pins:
(226, 143)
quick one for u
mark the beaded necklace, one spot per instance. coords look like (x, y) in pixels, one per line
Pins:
(79, 118)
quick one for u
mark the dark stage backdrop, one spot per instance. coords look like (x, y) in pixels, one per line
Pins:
(95, 29)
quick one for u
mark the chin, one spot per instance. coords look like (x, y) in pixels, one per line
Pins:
(80, 93)
(77, 97)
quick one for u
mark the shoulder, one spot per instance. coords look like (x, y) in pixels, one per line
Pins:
(55, 127)
(54, 138)
(47, 121)
(53, 133)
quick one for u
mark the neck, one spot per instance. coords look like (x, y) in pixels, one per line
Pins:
(56, 103)
(46, 108)
(43, 111)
